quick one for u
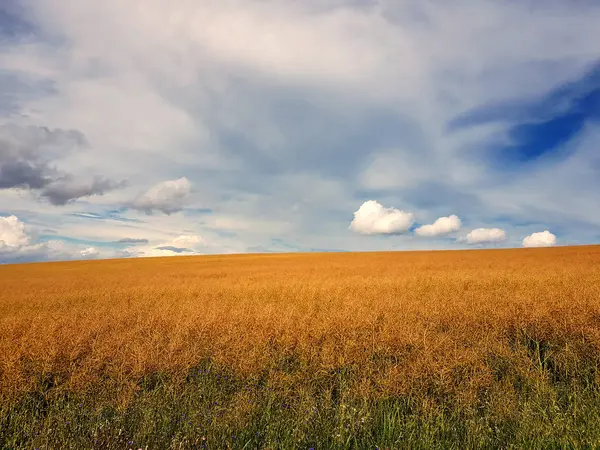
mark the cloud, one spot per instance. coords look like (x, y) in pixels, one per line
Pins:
(26, 155)
(23, 174)
(170, 248)
(132, 241)
(540, 239)
(373, 218)
(89, 253)
(16, 246)
(66, 190)
(12, 232)
(443, 225)
(167, 197)
(486, 236)
(386, 169)
(185, 243)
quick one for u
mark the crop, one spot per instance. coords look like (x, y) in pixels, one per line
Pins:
(480, 349)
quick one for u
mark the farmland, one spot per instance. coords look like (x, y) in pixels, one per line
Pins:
(463, 349)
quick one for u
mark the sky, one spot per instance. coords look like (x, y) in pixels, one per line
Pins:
(177, 127)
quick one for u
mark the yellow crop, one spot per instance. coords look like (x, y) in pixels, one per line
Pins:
(401, 321)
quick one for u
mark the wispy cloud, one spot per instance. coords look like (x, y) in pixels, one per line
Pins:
(131, 241)
(173, 249)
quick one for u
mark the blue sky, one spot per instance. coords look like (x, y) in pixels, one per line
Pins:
(151, 128)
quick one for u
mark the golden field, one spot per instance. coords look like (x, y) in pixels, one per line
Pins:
(421, 314)
(433, 325)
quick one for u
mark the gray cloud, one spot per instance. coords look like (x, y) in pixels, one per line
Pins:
(26, 152)
(167, 197)
(175, 249)
(66, 190)
(132, 241)
(26, 157)
(34, 142)
(22, 173)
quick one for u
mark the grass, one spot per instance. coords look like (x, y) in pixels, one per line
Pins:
(468, 349)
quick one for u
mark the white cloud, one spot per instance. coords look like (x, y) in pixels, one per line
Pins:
(388, 170)
(89, 252)
(541, 239)
(373, 218)
(443, 225)
(486, 235)
(186, 241)
(168, 197)
(185, 244)
(18, 246)
(12, 232)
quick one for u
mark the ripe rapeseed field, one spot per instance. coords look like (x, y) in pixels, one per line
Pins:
(446, 349)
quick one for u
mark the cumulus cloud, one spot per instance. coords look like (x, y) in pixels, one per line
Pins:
(540, 239)
(442, 226)
(12, 232)
(373, 218)
(486, 236)
(167, 197)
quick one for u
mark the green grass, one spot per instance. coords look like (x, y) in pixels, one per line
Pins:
(212, 409)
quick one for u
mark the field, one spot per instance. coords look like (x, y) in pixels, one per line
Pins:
(456, 349)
